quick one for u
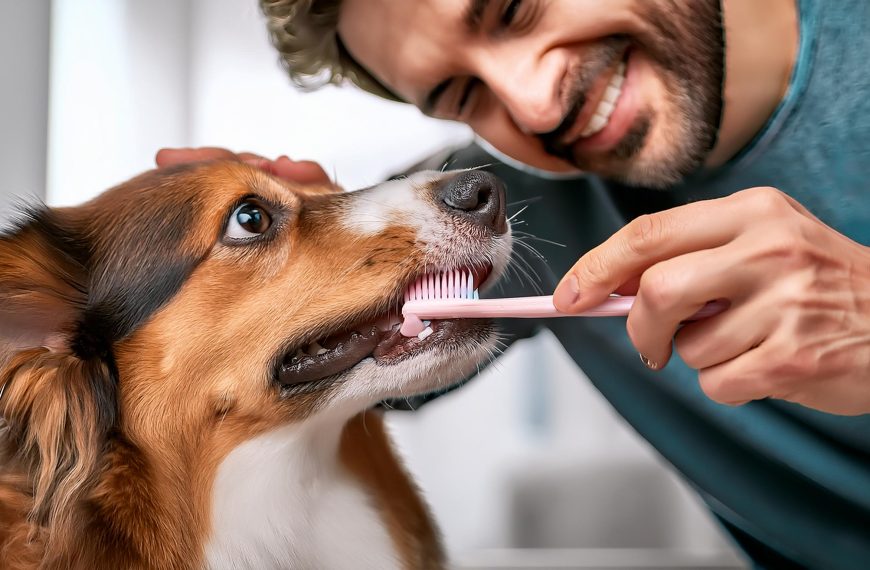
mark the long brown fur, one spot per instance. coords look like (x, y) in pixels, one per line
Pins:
(367, 452)
(127, 337)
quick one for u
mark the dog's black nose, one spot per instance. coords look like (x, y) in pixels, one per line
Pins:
(477, 196)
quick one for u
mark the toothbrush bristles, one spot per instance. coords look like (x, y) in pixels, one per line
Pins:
(456, 284)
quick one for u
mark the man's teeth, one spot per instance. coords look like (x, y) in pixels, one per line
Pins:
(607, 105)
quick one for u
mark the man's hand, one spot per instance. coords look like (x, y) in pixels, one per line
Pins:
(798, 325)
(300, 172)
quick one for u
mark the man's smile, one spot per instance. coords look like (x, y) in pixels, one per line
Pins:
(600, 101)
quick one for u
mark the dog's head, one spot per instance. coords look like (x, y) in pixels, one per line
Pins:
(193, 308)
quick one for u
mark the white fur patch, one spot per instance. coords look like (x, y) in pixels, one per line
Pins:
(281, 500)
(409, 203)
(397, 202)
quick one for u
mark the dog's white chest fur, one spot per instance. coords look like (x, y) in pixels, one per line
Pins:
(281, 501)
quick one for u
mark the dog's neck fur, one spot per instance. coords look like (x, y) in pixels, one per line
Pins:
(284, 500)
(324, 494)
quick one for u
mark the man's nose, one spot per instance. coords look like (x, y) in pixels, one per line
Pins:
(477, 196)
(530, 92)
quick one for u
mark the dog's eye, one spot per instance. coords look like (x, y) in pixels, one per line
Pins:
(247, 221)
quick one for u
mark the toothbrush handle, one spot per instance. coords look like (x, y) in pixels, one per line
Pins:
(529, 307)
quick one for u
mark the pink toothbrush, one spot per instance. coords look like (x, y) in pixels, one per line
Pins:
(452, 295)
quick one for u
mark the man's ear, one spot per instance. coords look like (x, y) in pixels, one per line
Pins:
(42, 284)
(57, 406)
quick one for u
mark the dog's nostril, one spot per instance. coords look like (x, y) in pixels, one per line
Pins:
(464, 196)
(477, 195)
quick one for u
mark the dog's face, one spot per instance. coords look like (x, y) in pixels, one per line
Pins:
(292, 309)
(192, 308)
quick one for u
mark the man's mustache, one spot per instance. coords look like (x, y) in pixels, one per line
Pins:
(554, 141)
(580, 80)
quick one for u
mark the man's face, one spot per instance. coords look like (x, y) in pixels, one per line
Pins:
(629, 89)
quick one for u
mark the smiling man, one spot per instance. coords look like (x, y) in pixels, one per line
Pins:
(729, 149)
(625, 89)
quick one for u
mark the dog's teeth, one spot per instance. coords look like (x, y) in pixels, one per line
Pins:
(426, 332)
(314, 349)
(427, 323)
(299, 353)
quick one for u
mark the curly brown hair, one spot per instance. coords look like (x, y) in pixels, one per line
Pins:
(305, 34)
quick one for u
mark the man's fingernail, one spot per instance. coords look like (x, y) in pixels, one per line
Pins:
(567, 294)
(649, 363)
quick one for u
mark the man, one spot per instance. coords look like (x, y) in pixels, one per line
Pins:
(749, 119)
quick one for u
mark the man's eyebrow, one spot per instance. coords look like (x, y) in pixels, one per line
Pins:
(432, 98)
(474, 14)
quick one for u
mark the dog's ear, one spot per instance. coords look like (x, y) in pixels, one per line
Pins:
(57, 404)
(41, 284)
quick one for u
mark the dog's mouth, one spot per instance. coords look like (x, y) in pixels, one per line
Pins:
(377, 338)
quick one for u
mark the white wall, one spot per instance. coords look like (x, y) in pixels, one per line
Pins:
(24, 49)
(119, 91)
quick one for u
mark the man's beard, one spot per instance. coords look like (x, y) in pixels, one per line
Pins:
(686, 43)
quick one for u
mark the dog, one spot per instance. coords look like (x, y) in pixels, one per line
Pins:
(190, 364)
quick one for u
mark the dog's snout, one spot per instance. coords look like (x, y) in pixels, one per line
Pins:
(478, 196)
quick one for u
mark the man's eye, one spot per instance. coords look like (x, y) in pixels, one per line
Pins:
(509, 13)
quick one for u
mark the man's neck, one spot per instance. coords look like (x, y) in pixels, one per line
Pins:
(761, 41)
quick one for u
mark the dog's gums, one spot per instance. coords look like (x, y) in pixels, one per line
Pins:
(377, 338)
(342, 351)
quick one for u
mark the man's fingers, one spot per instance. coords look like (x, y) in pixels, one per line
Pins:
(298, 171)
(644, 242)
(630, 287)
(250, 156)
(782, 369)
(673, 290)
(172, 156)
(739, 380)
(723, 337)
(301, 171)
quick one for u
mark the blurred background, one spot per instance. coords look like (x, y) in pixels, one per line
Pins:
(527, 466)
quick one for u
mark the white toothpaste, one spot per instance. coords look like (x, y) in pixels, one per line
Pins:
(425, 332)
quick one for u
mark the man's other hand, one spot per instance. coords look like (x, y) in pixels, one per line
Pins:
(298, 171)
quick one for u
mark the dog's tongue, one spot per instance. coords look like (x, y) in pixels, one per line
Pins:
(342, 351)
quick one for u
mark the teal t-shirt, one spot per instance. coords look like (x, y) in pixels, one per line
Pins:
(792, 484)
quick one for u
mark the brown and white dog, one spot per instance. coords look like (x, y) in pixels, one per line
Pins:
(186, 362)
